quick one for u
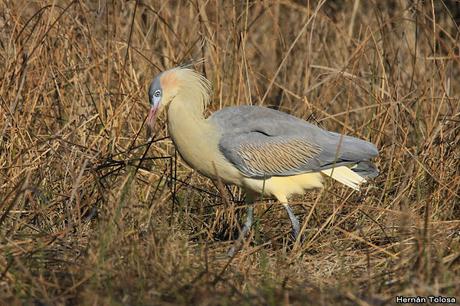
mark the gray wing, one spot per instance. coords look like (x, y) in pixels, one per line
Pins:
(263, 142)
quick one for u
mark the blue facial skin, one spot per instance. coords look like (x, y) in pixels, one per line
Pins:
(153, 91)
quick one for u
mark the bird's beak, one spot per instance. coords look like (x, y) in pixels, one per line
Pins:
(151, 120)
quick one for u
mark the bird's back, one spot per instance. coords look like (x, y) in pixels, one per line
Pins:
(272, 134)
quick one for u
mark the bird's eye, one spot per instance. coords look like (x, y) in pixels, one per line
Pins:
(157, 93)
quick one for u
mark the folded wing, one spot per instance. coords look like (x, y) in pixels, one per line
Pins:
(263, 142)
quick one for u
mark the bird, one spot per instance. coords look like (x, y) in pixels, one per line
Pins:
(262, 150)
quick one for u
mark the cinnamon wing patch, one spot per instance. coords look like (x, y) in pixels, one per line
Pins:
(256, 154)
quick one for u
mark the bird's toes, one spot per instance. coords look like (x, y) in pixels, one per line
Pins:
(232, 251)
(294, 234)
(303, 238)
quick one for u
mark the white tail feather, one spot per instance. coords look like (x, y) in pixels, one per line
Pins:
(345, 176)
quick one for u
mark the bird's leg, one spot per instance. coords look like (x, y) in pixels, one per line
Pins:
(294, 221)
(246, 227)
(249, 219)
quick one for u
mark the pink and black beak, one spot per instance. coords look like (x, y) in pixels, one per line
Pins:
(152, 117)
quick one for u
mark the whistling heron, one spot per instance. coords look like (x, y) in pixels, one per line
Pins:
(257, 148)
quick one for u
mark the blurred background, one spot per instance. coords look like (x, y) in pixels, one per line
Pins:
(93, 213)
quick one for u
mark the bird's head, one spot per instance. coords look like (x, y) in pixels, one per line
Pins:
(169, 85)
(162, 91)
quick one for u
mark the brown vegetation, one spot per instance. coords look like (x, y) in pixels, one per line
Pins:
(90, 213)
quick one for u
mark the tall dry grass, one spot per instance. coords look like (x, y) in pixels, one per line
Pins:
(91, 213)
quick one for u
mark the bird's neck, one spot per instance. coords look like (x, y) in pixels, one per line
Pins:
(192, 134)
(186, 116)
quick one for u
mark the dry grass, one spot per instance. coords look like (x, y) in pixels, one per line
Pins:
(90, 213)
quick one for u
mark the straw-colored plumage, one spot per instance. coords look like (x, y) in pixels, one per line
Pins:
(260, 149)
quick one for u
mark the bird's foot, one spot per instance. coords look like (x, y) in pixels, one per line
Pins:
(238, 244)
(295, 235)
(236, 247)
(232, 251)
(243, 234)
